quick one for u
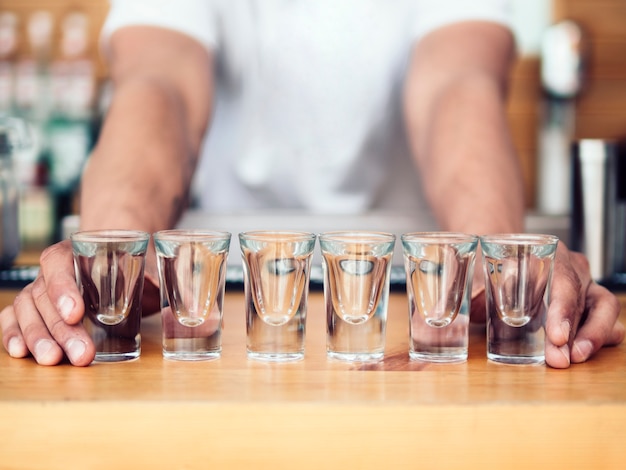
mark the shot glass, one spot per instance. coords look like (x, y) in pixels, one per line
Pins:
(518, 273)
(277, 267)
(356, 269)
(192, 276)
(439, 271)
(109, 267)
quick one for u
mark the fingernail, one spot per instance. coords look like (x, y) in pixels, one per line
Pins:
(42, 348)
(15, 347)
(65, 306)
(584, 348)
(566, 328)
(75, 349)
(565, 351)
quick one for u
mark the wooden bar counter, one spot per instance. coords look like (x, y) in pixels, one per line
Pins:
(316, 413)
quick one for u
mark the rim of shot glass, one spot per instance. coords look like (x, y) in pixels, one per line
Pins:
(357, 236)
(520, 239)
(438, 237)
(108, 235)
(180, 235)
(277, 235)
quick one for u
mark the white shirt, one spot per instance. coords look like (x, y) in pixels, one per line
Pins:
(307, 112)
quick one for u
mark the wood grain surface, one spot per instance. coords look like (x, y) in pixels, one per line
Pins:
(316, 413)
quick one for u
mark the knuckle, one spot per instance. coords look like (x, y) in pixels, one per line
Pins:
(38, 290)
(57, 328)
(571, 278)
(23, 298)
(32, 331)
(19, 300)
(4, 315)
(614, 305)
(51, 252)
(580, 262)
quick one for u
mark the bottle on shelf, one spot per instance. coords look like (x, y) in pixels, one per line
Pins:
(8, 52)
(33, 104)
(13, 136)
(70, 126)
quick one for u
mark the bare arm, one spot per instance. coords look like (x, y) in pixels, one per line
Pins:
(454, 107)
(456, 120)
(137, 178)
(144, 160)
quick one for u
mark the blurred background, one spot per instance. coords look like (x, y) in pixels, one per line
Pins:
(52, 74)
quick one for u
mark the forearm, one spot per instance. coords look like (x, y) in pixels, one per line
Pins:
(470, 170)
(139, 173)
(457, 127)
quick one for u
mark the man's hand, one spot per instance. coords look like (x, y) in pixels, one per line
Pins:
(45, 317)
(583, 316)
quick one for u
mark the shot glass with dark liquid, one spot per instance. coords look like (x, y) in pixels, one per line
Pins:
(109, 267)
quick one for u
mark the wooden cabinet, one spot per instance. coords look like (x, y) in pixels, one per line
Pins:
(95, 10)
(601, 111)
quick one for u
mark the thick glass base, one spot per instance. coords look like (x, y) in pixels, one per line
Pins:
(117, 356)
(448, 357)
(191, 355)
(517, 360)
(356, 356)
(192, 349)
(275, 357)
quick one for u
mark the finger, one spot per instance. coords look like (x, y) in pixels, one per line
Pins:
(569, 288)
(11, 335)
(57, 269)
(74, 340)
(557, 356)
(562, 316)
(599, 328)
(35, 333)
(617, 336)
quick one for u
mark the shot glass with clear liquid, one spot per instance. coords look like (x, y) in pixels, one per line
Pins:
(518, 274)
(109, 267)
(439, 270)
(356, 269)
(277, 267)
(192, 277)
